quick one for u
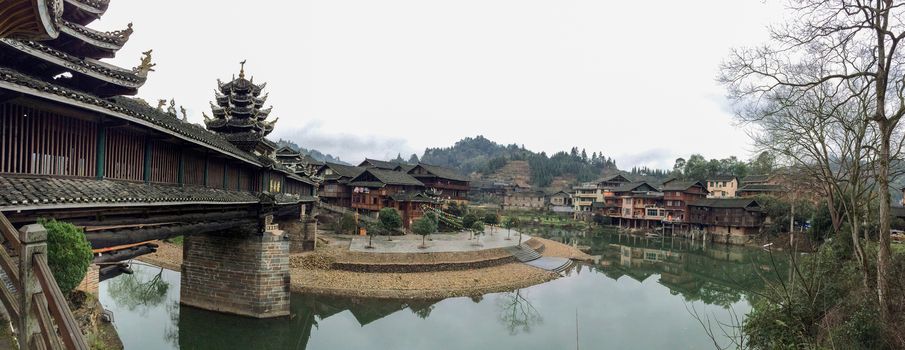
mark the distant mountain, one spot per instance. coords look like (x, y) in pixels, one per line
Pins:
(311, 152)
(483, 156)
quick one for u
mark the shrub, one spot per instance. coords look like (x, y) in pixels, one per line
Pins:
(68, 253)
(390, 221)
(345, 224)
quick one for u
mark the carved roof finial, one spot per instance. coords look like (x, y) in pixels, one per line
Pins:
(160, 104)
(185, 115)
(145, 66)
(242, 69)
(171, 110)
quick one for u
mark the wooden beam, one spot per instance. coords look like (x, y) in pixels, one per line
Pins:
(104, 239)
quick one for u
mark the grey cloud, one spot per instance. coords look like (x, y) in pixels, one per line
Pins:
(348, 147)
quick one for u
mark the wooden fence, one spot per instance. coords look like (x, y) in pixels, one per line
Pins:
(30, 295)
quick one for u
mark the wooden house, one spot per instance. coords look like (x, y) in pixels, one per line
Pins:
(677, 195)
(738, 217)
(335, 187)
(378, 164)
(375, 189)
(445, 183)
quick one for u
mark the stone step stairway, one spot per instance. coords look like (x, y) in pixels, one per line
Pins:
(523, 253)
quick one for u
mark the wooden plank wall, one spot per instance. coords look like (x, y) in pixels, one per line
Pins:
(194, 169)
(164, 162)
(125, 155)
(42, 143)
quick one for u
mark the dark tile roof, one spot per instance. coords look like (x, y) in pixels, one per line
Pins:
(285, 198)
(761, 188)
(379, 164)
(345, 170)
(369, 184)
(755, 178)
(129, 107)
(390, 177)
(412, 197)
(313, 161)
(722, 178)
(616, 177)
(746, 203)
(631, 186)
(681, 185)
(404, 167)
(441, 172)
(36, 192)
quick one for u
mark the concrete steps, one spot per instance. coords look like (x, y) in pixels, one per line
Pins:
(523, 253)
(555, 265)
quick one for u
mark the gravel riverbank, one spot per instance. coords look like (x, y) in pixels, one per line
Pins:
(313, 272)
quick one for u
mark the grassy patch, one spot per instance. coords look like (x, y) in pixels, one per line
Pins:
(176, 240)
(898, 248)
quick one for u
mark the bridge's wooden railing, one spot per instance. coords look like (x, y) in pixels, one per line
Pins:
(30, 295)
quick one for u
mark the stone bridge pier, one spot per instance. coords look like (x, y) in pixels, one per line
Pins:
(243, 272)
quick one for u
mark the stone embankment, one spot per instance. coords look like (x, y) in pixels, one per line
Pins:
(334, 270)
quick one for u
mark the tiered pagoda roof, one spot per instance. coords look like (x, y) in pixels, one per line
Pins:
(239, 114)
(70, 53)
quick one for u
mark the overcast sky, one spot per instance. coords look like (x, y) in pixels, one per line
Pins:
(356, 78)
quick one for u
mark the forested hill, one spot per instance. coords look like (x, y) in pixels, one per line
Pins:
(478, 154)
(311, 152)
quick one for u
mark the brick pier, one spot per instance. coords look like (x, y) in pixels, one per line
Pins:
(237, 273)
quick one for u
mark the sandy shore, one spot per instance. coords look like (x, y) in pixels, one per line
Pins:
(312, 272)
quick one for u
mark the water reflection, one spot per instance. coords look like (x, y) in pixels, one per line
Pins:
(517, 313)
(139, 292)
(635, 284)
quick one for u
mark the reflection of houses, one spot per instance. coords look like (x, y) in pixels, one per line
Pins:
(722, 186)
(375, 189)
(335, 188)
(718, 275)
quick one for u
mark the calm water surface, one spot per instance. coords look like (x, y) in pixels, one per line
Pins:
(637, 296)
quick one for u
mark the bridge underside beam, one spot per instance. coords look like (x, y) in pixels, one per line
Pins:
(112, 238)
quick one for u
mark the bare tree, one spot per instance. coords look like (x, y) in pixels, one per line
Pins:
(825, 138)
(854, 42)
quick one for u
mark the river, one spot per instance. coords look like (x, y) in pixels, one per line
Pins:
(640, 294)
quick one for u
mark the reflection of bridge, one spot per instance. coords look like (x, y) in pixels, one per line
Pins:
(75, 149)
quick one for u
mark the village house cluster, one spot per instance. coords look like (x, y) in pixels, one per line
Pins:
(375, 184)
(723, 205)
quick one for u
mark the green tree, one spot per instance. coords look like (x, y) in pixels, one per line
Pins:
(345, 224)
(424, 226)
(511, 223)
(68, 253)
(492, 219)
(477, 228)
(390, 221)
(468, 220)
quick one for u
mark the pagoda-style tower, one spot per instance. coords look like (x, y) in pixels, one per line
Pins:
(70, 52)
(240, 116)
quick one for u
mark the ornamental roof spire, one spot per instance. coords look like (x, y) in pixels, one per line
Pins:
(238, 112)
